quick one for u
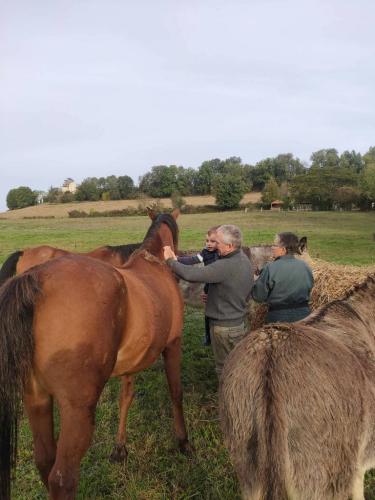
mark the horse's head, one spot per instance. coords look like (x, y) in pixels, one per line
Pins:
(162, 232)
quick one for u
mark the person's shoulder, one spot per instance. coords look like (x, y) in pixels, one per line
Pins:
(302, 263)
(243, 257)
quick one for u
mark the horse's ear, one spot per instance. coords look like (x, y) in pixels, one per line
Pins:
(151, 213)
(175, 213)
(302, 244)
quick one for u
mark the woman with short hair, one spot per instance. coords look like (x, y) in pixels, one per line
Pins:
(285, 284)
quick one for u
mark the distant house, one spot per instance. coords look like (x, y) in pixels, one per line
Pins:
(69, 186)
(277, 205)
(40, 197)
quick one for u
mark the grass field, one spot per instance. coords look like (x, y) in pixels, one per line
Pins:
(342, 237)
(154, 470)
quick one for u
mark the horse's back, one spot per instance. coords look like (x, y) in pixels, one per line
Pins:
(38, 255)
(291, 404)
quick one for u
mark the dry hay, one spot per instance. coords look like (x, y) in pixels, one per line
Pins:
(331, 282)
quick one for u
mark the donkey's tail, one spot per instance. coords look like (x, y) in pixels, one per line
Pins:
(8, 269)
(17, 300)
(274, 453)
(253, 420)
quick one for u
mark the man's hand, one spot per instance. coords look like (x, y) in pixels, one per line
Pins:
(204, 297)
(168, 253)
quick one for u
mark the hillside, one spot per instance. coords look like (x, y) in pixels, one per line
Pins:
(61, 210)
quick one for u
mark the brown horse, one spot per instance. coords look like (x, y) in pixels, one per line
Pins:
(22, 260)
(68, 325)
(298, 403)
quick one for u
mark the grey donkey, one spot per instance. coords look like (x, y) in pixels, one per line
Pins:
(297, 403)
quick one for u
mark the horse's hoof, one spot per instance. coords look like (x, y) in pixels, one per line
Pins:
(185, 447)
(119, 454)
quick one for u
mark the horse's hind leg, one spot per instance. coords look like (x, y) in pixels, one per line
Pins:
(172, 361)
(40, 414)
(77, 427)
(119, 453)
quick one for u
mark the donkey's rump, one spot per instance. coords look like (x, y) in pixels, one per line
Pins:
(297, 412)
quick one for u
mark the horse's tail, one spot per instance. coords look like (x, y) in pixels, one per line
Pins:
(254, 422)
(8, 269)
(17, 300)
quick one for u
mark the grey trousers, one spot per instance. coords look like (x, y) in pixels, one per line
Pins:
(223, 339)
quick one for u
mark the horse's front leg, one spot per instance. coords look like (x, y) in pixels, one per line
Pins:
(119, 452)
(172, 361)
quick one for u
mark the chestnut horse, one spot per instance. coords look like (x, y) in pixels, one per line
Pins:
(22, 260)
(66, 327)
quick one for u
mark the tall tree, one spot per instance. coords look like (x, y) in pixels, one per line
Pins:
(229, 191)
(271, 192)
(126, 187)
(352, 161)
(20, 197)
(367, 181)
(325, 158)
(318, 186)
(88, 190)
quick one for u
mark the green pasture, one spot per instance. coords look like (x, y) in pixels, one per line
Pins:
(342, 237)
(155, 471)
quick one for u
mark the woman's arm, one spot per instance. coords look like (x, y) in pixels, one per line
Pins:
(261, 289)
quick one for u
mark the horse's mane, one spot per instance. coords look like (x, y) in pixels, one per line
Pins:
(153, 229)
(124, 250)
(343, 303)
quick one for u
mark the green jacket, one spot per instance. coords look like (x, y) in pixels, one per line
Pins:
(286, 281)
(230, 278)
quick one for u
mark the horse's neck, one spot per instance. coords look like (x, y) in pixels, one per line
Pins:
(155, 245)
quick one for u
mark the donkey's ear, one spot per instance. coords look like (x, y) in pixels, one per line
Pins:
(302, 244)
(151, 213)
(175, 213)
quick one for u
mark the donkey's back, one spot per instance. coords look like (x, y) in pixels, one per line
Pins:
(298, 415)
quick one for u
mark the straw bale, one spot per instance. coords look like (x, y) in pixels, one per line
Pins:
(332, 281)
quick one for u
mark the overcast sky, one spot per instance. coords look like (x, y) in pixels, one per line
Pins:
(95, 88)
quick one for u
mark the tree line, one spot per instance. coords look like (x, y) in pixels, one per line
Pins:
(329, 181)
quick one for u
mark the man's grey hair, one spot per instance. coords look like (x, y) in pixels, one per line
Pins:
(231, 234)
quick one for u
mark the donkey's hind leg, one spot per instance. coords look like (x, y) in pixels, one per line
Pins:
(39, 409)
(172, 362)
(119, 453)
(358, 485)
(77, 427)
